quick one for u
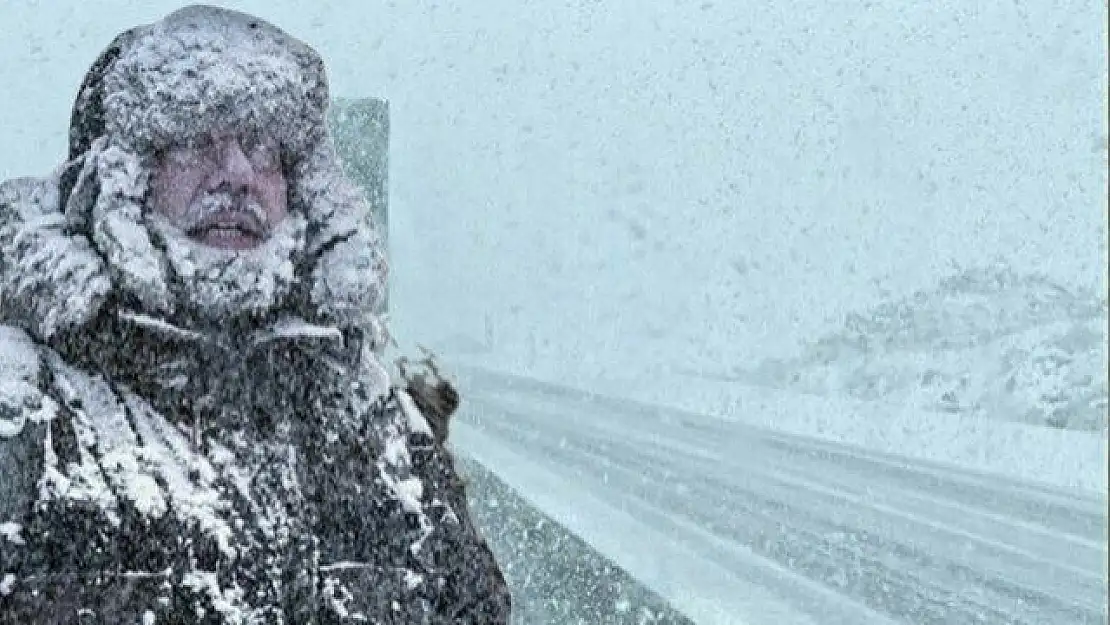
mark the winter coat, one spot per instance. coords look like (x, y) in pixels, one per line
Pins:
(157, 469)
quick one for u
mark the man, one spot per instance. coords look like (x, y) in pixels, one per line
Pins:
(194, 424)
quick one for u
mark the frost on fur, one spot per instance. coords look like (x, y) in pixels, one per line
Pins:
(50, 280)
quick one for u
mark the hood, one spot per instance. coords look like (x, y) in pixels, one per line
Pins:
(77, 244)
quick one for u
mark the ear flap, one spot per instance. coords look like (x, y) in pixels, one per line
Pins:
(345, 269)
(119, 232)
(52, 281)
(86, 120)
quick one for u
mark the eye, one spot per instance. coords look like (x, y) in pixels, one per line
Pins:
(184, 155)
(190, 152)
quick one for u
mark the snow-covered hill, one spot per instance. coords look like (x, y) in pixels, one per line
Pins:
(986, 340)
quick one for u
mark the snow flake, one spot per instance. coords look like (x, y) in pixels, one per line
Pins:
(417, 423)
(409, 492)
(397, 452)
(10, 532)
(412, 579)
(6, 584)
(228, 602)
(337, 596)
(291, 327)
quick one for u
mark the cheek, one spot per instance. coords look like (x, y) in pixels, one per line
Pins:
(172, 194)
(275, 196)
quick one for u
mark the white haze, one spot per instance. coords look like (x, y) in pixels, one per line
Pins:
(695, 184)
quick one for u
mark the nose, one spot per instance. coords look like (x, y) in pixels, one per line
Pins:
(234, 168)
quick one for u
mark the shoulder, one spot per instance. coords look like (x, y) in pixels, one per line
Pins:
(23, 206)
(28, 192)
(51, 279)
(17, 349)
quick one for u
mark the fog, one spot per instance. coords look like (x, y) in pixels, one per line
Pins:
(680, 173)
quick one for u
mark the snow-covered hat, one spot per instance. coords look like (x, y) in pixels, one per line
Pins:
(201, 69)
(204, 69)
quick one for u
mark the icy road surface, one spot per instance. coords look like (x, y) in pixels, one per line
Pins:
(735, 524)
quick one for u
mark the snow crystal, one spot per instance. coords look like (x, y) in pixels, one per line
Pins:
(337, 596)
(10, 532)
(85, 481)
(148, 618)
(6, 584)
(288, 327)
(417, 422)
(18, 358)
(20, 399)
(228, 602)
(412, 579)
(102, 424)
(128, 249)
(408, 492)
(375, 377)
(220, 455)
(140, 488)
(396, 452)
(160, 325)
(53, 483)
(225, 284)
(11, 427)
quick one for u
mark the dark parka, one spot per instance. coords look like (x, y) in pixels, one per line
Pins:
(156, 467)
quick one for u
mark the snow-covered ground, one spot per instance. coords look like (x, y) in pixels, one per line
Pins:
(738, 525)
(1073, 460)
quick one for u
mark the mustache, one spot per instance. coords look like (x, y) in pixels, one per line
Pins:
(223, 204)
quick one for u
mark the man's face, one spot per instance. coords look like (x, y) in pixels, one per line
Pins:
(225, 191)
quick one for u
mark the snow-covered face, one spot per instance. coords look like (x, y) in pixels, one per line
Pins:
(226, 191)
(216, 285)
(220, 206)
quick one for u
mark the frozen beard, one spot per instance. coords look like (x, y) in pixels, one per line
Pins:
(212, 284)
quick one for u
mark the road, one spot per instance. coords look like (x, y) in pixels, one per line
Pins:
(734, 524)
(556, 578)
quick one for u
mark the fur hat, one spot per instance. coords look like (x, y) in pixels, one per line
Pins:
(205, 69)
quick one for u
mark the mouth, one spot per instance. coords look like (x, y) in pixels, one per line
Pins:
(229, 230)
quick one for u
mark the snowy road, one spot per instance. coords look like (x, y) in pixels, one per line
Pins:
(734, 524)
(555, 577)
